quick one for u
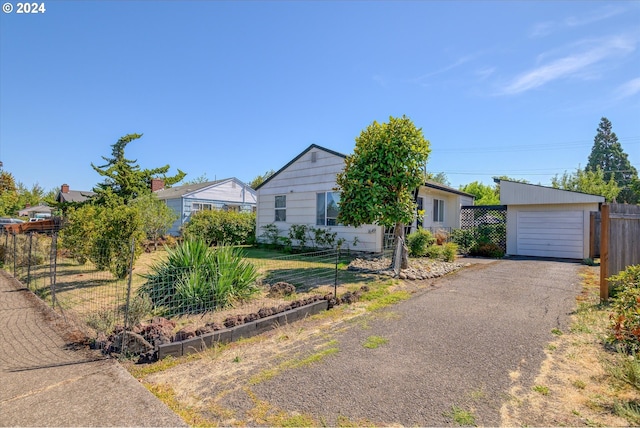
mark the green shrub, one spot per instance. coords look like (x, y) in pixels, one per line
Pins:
(449, 251)
(487, 250)
(625, 319)
(196, 278)
(419, 241)
(271, 234)
(221, 227)
(464, 238)
(434, 252)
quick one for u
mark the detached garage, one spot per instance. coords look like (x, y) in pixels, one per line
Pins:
(547, 222)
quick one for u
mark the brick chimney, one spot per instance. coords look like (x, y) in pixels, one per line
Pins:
(157, 184)
(64, 188)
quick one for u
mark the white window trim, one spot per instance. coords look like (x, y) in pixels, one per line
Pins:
(326, 205)
(277, 208)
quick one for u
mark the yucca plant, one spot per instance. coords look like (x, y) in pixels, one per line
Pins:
(196, 278)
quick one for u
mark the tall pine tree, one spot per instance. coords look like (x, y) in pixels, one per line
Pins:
(124, 178)
(608, 155)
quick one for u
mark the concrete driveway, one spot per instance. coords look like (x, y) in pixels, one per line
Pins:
(462, 343)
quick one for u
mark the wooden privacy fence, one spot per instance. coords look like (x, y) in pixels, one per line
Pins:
(619, 241)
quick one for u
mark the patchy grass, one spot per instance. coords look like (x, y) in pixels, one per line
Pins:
(461, 416)
(592, 385)
(374, 342)
(267, 374)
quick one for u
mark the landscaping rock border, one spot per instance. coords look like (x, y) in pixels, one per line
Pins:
(242, 331)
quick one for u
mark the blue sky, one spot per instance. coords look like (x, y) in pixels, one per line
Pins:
(238, 88)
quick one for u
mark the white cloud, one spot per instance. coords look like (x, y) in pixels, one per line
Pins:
(572, 65)
(629, 88)
(546, 28)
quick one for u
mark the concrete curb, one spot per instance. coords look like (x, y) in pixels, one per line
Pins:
(242, 331)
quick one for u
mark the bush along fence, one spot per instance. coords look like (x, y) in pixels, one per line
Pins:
(106, 293)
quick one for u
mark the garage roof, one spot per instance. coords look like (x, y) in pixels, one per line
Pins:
(515, 193)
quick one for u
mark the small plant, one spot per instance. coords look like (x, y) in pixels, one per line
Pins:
(139, 307)
(298, 232)
(556, 331)
(460, 416)
(464, 238)
(449, 251)
(270, 234)
(419, 241)
(434, 252)
(541, 389)
(580, 384)
(626, 369)
(589, 261)
(373, 342)
(102, 321)
(487, 250)
(630, 410)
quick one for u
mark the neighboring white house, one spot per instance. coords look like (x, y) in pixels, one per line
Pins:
(304, 191)
(229, 194)
(547, 222)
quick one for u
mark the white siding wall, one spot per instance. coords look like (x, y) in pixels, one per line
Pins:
(452, 204)
(229, 191)
(300, 182)
(176, 206)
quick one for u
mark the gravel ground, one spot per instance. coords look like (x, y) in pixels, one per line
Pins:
(463, 343)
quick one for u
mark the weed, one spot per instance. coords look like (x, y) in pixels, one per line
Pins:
(190, 415)
(551, 347)
(630, 410)
(541, 389)
(557, 332)
(268, 374)
(460, 416)
(373, 342)
(580, 384)
(626, 369)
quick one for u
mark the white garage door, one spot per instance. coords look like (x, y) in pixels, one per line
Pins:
(551, 234)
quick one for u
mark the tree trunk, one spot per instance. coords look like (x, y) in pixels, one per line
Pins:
(403, 260)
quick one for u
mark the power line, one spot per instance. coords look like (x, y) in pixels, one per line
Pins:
(528, 147)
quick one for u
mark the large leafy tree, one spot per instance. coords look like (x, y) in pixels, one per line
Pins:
(9, 198)
(485, 194)
(379, 178)
(124, 178)
(591, 182)
(608, 155)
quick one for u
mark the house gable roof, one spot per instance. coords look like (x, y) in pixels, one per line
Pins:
(442, 187)
(430, 184)
(305, 151)
(516, 193)
(186, 189)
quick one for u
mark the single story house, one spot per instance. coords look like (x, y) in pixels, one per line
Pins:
(67, 195)
(38, 211)
(547, 222)
(304, 191)
(229, 194)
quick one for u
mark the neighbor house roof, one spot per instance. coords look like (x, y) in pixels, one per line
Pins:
(74, 195)
(180, 191)
(35, 209)
(438, 186)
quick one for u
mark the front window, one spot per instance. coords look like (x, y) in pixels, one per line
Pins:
(438, 210)
(281, 208)
(327, 208)
(198, 206)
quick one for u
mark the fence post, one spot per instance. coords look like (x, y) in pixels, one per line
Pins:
(29, 262)
(335, 278)
(126, 307)
(604, 253)
(53, 265)
(15, 253)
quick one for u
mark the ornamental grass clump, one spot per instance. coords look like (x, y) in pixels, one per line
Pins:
(196, 278)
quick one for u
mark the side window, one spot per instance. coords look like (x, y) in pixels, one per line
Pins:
(327, 208)
(438, 210)
(281, 208)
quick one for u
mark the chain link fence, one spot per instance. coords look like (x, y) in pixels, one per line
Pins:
(87, 293)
